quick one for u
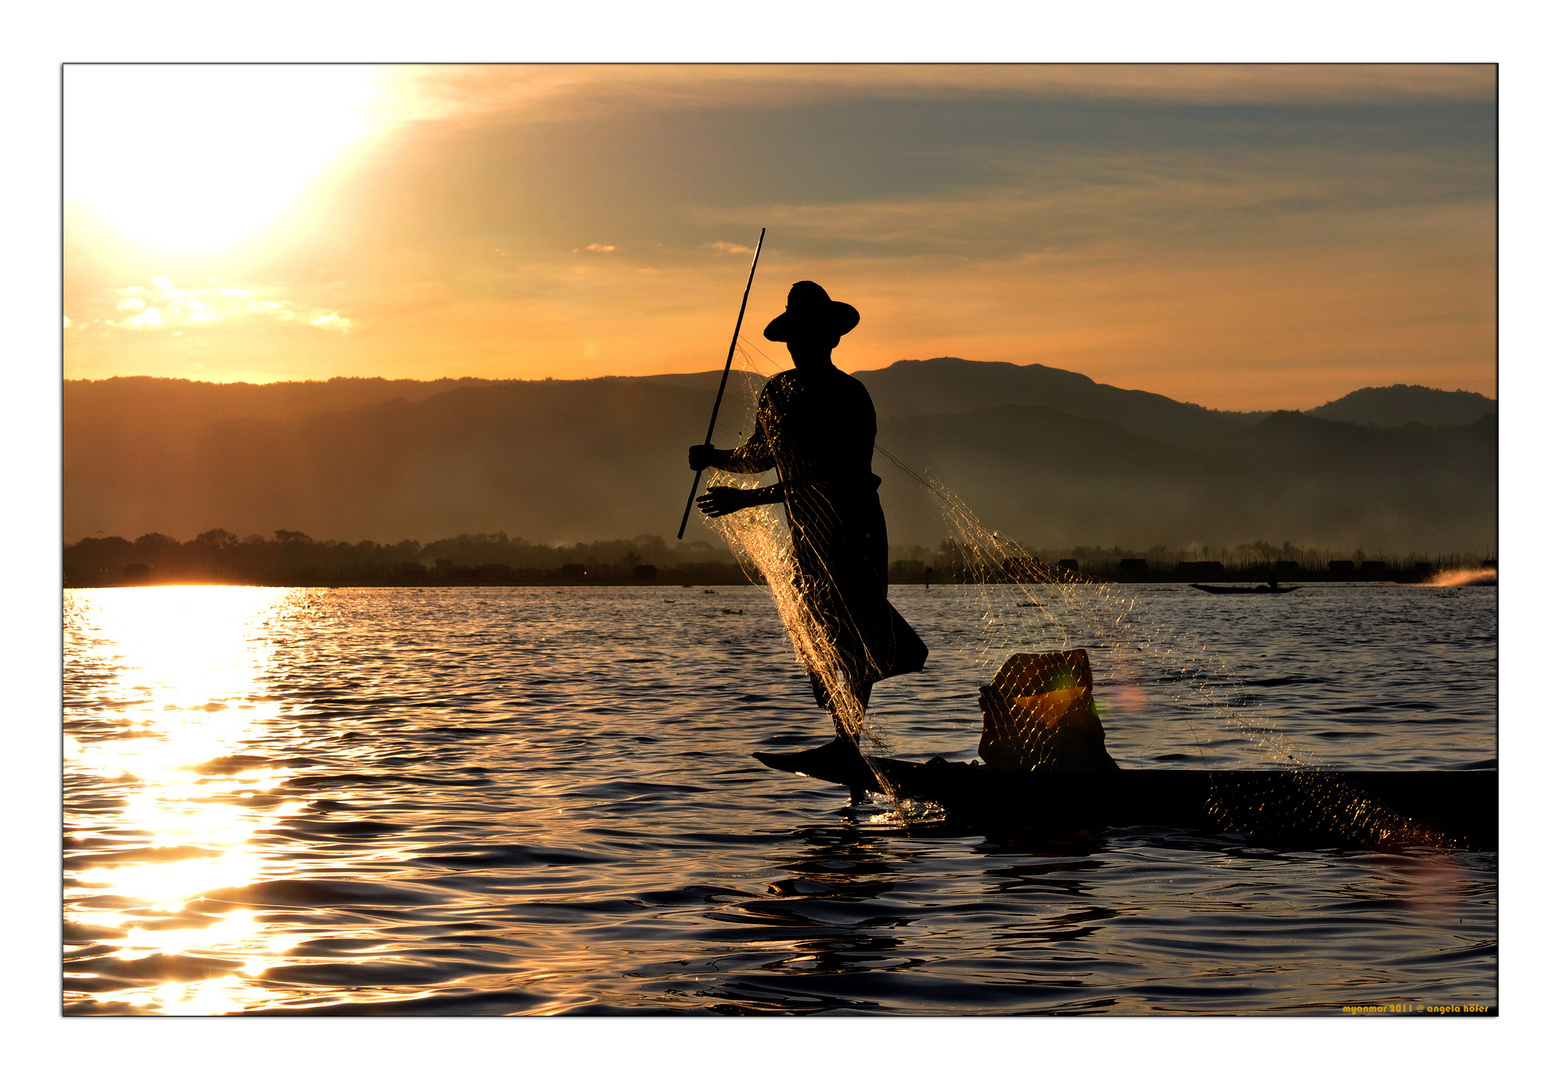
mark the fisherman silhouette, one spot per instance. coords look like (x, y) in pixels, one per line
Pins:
(815, 426)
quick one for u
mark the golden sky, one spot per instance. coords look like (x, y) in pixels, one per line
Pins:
(1244, 237)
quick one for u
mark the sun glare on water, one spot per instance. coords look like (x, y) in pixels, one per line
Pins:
(180, 708)
(193, 158)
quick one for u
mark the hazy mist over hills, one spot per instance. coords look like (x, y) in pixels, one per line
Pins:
(1047, 456)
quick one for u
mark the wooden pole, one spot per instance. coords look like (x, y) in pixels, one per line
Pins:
(722, 389)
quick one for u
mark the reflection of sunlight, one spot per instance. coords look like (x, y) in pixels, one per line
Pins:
(167, 882)
(233, 933)
(207, 997)
(235, 927)
(1447, 579)
(186, 665)
(187, 646)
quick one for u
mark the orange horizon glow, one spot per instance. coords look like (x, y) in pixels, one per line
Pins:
(1243, 237)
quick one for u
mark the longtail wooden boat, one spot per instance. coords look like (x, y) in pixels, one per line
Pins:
(1045, 766)
(1287, 807)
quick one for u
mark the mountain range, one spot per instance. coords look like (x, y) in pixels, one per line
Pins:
(1047, 456)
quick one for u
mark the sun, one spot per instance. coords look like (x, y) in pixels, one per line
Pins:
(192, 158)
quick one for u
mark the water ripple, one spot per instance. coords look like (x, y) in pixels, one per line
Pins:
(498, 801)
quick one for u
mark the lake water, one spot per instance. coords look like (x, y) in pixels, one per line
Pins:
(541, 801)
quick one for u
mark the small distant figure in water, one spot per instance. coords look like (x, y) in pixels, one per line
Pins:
(1274, 580)
(815, 426)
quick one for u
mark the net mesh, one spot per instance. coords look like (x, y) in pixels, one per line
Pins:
(1014, 603)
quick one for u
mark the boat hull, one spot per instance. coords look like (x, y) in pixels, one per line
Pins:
(1449, 808)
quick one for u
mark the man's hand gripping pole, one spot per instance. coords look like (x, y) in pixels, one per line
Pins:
(722, 389)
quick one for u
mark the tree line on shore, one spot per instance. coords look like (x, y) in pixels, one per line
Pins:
(293, 558)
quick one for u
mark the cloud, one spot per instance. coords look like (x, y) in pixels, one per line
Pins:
(146, 319)
(162, 305)
(1138, 209)
(571, 91)
(672, 180)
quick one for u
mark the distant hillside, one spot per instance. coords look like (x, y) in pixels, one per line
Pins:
(567, 460)
(1055, 480)
(950, 385)
(1047, 456)
(178, 404)
(1394, 406)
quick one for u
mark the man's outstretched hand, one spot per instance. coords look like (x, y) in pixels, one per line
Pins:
(720, 501)
(704, 456)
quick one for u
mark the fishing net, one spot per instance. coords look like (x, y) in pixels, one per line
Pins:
(1039, 713)
(1013, 604)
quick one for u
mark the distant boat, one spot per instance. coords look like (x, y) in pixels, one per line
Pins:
(1246, 588)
